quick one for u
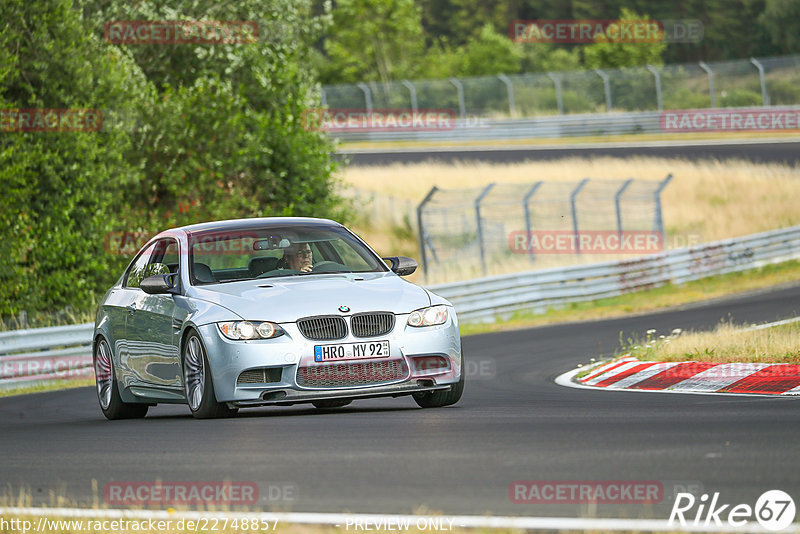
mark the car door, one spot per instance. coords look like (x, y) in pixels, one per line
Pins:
(121, 305)
(152, 339)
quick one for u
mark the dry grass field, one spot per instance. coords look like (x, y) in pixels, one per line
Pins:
(706, 201)
(727, 343)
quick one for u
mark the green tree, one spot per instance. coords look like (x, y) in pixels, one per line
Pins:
(616, 52)
(374, 40)
(61, 188)
(781, 19)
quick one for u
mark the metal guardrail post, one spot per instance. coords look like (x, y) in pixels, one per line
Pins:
(525, 204)
(658, 222)
(762, 79)
(617, 198)
(323, 97)
(572, 197)
(480, 225)
(510, 89)
(367, 96)
(421, 228)
(412, 93)
(710, 73)
(606, 87)
(462, 108)
(657, 76)
(559, 98)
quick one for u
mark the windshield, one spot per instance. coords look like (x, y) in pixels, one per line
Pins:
(246, 254)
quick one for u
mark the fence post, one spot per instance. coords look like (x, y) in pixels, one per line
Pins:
(480, 226)
(412, 92)
(525, 201)
(421, 230)
(658, 222)
(617, 198)
(762, 79)
(367, 96)
(323, 96)
(606, 87)
(657, 76)
(510, 89)
(710, 73)
(559, 99)
(462, 108)
(572, 197)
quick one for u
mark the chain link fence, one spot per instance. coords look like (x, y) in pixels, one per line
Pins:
(506, 227)
(739, 83)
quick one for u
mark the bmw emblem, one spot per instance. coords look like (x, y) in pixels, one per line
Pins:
(344, 309)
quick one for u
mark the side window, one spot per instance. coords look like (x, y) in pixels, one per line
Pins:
(159, 258)
(136, 272)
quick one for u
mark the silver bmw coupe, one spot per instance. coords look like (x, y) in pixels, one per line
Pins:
(270, 311)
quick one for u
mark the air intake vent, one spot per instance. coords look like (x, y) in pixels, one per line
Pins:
(372, 324)
(265, 375)
(351, 374)
(323, 327)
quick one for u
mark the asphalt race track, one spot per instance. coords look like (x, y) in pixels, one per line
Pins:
(513, 423)
(761, 152)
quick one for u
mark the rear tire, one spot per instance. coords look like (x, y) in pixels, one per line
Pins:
(108, 389)
(197, 383)
(332, 403)
(438, 399)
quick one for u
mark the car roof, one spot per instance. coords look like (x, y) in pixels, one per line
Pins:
(256, 222)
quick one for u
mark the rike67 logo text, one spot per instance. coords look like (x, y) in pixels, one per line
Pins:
(774, 510)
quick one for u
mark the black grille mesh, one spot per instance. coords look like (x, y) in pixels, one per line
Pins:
(323, 328)
(372, 324)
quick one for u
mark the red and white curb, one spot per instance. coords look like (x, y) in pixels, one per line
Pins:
(631, 374)
(690, 377)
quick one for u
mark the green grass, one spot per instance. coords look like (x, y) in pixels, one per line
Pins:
(652, 299)
(51, 386)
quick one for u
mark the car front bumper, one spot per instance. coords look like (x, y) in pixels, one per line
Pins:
(290, 361)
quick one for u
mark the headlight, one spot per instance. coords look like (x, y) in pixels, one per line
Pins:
(428, 316)
(250, 330)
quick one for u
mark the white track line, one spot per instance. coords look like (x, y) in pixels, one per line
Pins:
(341, 520)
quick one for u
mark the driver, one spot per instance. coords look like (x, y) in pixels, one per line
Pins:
(297, 257)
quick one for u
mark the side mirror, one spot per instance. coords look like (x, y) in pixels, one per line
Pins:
(157, 284)
(401, 265)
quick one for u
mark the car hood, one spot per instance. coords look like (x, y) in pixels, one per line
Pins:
(284, 300)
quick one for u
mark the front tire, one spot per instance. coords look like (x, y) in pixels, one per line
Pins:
(108, 389)
(197, 383)
(438, 399)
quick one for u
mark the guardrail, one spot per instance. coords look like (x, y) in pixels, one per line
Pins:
(484, 299)
(548, 127)
(38, 355)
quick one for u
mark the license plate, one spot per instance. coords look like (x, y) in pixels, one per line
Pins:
(351, 351)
